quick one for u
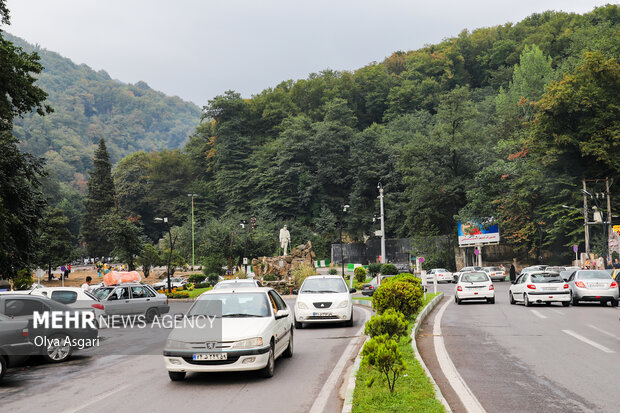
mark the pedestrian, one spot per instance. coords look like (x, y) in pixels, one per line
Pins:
(616, 264)
(513, 273)
(86, 285)
(66, 272)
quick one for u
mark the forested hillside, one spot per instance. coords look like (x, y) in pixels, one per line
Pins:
(89, 105)
(500, 122)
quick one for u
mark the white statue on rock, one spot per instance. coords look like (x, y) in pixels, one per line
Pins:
(285, 239)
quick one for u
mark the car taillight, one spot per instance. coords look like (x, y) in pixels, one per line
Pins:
(491, 287)
(98, 306)
(25, 332)
(531, 286)
(459, 288)
(580, 284)
(566, 286)
(613, 285)
(371, 287)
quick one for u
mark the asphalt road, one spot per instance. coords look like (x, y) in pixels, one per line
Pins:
(95, 381)
(518, 359)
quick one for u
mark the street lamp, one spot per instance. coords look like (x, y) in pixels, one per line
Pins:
(380, 188)
(192, 196)
(165, 221)
(344, 210)
(243, 223)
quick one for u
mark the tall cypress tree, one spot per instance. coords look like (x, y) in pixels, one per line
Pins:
(99, 201)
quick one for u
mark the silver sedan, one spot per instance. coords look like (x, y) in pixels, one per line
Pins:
(593, 285)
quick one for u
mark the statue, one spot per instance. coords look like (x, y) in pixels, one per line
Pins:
(285, 239)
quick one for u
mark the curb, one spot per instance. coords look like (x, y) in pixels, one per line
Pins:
(347, 406)
(429, 307)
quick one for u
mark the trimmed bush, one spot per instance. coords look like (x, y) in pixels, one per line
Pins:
(374, 269)
(196, 278)
(405, 297)
(391, 322)
(213, 278)
(300, 274)
(405, 277)
(202, 285)
(360, 274)
(389, 269)
(333, 271)
(23, 280)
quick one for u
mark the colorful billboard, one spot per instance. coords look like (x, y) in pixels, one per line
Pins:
(473, 233)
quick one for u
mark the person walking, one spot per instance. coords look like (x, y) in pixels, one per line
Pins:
(86, 285)
(616, 264)
(513, 273)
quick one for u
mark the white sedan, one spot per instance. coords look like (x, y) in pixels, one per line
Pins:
(175, 282)
(474, 286)
(540, 287)
(230, 330)
(74, 297)
(440, 273)
(324, 299)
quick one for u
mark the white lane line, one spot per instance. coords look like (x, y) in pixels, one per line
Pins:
(537, 314)
(96, 400)
(588, 341)
(557, 311)
(467, 397)
(332, 381)
(600, 330)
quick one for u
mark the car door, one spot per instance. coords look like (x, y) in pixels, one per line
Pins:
(118, 302)
(281, 324)
(517, 288)
(140, 299)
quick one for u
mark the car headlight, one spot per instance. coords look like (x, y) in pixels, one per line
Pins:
(301, 305)
(343, 304)
(248, 343)
(176, 345)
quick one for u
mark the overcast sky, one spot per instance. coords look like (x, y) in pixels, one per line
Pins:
(197, 49)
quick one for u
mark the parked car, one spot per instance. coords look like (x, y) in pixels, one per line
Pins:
(456, 275)
(74, 297)
(539, 287)
(440, 273)
(475, 285)
(132, 299)
(256, 329)
(593, 285)
(54, 347)
(495, 273)
(14, 344)
(368, 289)
(238, 283)
(323, 299)
(175, 282)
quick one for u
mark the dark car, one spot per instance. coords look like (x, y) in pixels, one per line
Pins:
(14, 344)
(54, 343)
(369, 288)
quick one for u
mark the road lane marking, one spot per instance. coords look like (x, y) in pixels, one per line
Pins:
(332, 381)
(588, 341)
(557, 311)
(600, 330)
(449, 370)
(537, 314)
(96, 399)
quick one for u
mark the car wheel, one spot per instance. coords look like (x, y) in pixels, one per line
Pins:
(3, 367)
(459, 301)
(547, 302)
(150, 315)
(603, 303)
(297, 324)
(349, 323)
(56, 351)
(176, 375)
(614, 302)
(288, 353)
(512, 299)
(491, 300)
(268, 370)
(574, 299)
(565, 303)
(526, 300)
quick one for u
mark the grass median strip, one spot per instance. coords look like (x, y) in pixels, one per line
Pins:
(413, 393)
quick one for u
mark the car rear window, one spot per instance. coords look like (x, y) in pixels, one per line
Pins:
(593, 275)
(65, 297)
(548, 277)
(323, 285)
(475, 277)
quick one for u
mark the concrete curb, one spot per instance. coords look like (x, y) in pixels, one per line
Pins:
(429, 307)
(347, 406)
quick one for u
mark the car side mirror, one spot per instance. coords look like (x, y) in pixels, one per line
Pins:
(295, 292)
(282, 313)
(352, 290)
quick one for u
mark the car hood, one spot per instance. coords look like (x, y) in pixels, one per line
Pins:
(231, 329)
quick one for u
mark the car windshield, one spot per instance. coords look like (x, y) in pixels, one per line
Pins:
(323, 285)
(231, 305)
(474, 277)
(235, 284)
(546, 277)
(102, 293)
(593, 275)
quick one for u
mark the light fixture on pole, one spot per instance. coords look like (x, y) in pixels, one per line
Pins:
(192, 196)
(165, 221)
(344, 210)
(380, 187)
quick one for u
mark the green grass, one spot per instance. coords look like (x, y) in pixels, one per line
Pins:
(364, 298)
(413, 393)
(196, 292)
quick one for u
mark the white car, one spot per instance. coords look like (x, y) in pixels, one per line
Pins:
(175, 282)
(252, 328)
(441, 273)
(74, 297)
(238, 283)
(456, 275)
(324, 299)
(495, 273)
(540, 287)
(475, 285)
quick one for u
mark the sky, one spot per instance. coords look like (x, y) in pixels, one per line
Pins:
(198, 49)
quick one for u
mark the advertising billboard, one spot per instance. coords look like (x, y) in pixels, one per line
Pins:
(473, 233)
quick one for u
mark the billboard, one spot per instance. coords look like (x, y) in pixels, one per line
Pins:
(473, 233)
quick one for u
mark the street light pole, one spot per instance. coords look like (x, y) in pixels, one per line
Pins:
(380, 187)
(165, 221)
(192, 196)
(344, 210)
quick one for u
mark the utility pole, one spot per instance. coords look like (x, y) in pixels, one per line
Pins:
(382, 223)
(609, 223)
(192, 196)
(585, 217)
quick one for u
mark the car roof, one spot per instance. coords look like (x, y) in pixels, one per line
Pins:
(324, 276)
(238, 280)
(240, 291)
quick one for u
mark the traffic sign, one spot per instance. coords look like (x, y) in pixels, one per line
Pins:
(421, 260)
(616, 228)
(477, 251)
(575, 248)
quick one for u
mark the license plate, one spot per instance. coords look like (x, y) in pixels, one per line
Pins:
(322, 314)
(549, 289)
(596, 285)
(210, 356)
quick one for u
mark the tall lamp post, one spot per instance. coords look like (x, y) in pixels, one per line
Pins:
(344, 210)
(380, 188)
(192, 196)
(243, 223)
(165, 221)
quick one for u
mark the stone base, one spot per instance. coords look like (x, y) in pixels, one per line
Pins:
(282, 267)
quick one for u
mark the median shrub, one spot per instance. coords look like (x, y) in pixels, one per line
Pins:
(300, 274)
(403, 296)
(360, 274)
(391, 322)
(389, 269)
(374, 269)
(382, 353)
(196, 278)
(405, 277)
(333, 271)
(213, 278)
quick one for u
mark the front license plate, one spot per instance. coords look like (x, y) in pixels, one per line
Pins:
(210, 356)
(321, 314)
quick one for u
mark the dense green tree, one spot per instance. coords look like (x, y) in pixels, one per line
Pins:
(99, 201)
(148, 258)
(55, 240)
(124, 235)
